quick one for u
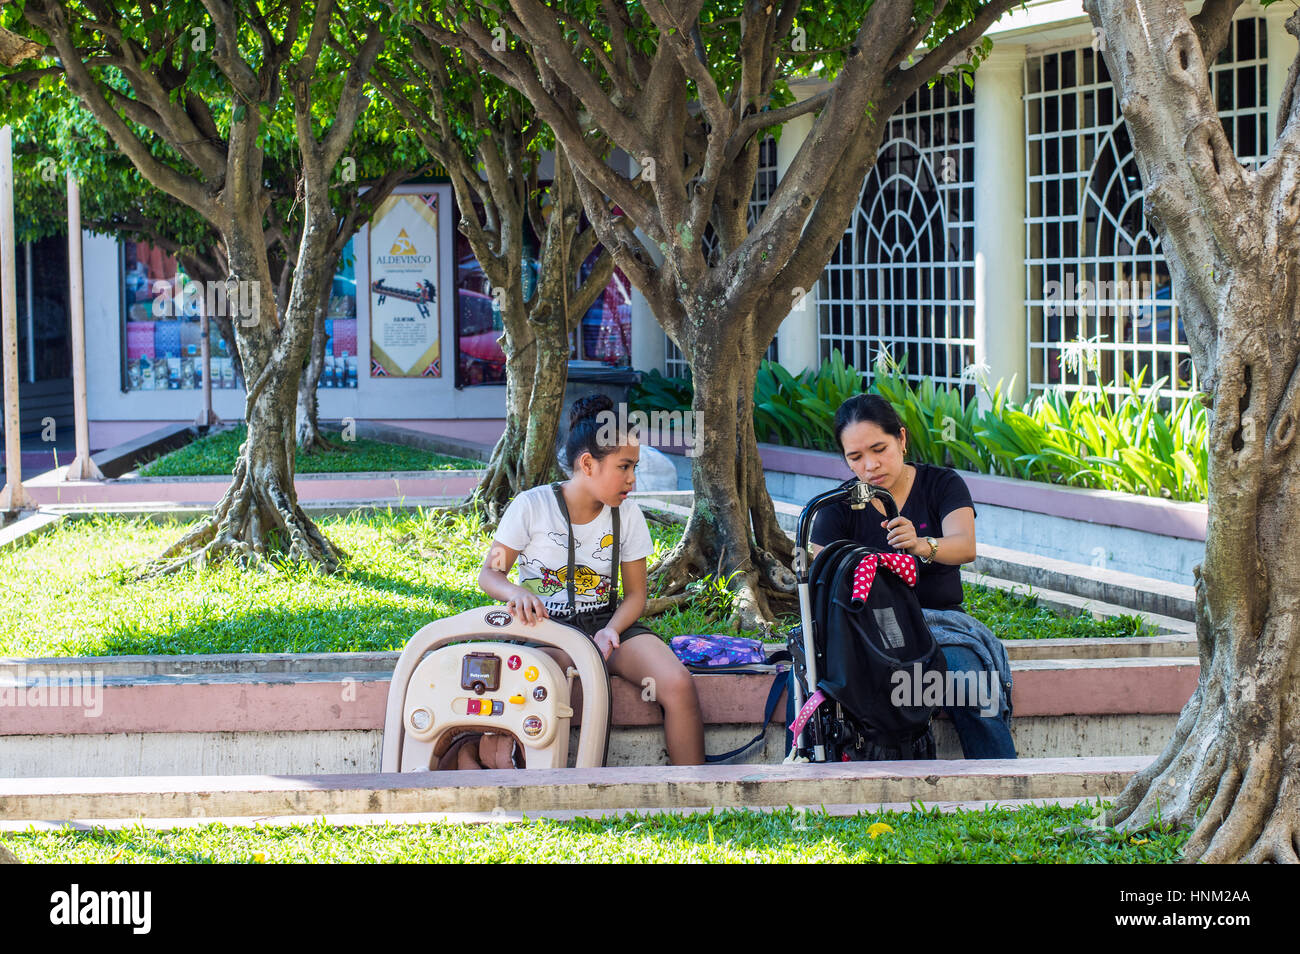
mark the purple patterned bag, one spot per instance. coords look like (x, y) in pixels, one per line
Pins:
(708, 652)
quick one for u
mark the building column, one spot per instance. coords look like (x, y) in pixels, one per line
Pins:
(1001, 329)
(797, 336)
(14, 495)
(1281, 53)
(83, 467)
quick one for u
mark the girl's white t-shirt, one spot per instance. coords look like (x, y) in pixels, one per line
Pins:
(534, 525)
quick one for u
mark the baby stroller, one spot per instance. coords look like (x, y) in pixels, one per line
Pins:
(862, 654)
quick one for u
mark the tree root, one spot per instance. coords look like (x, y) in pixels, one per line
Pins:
(251, 523)
(662, 604)
(759, 579)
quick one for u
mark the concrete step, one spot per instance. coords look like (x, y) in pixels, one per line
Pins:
(576, 790)
(1161, 597)
(66, 699)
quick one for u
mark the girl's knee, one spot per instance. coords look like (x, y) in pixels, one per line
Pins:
(676, 688)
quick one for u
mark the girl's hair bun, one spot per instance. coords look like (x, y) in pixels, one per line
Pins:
(589, 406)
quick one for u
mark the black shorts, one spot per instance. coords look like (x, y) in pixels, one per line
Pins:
(593, 621)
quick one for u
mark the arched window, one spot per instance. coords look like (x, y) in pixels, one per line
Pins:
(902, 279)
(1100, 305)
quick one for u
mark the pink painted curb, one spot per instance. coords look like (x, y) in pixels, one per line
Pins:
(288, 703)
(207, 493)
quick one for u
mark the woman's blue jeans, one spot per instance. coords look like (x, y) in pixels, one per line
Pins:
(982, 736)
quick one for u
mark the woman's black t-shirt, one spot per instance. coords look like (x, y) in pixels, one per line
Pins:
(937, 492)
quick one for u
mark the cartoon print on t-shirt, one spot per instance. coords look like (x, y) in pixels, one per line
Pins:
(562, 540)
(548, 582)
(605, 549)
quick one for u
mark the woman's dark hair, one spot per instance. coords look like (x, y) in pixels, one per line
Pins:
(871, 408)
(590, 420)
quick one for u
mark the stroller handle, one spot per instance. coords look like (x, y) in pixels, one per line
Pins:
(858, 494)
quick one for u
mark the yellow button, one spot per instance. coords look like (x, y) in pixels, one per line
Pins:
(516, 700)
(531, 673)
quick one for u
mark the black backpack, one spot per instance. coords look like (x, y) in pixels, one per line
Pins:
(862, 649)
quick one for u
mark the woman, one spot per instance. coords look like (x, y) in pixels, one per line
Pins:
(935, 524)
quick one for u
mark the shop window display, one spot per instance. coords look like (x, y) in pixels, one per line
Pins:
(162, 306)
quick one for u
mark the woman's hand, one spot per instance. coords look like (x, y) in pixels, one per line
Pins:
(606, 640)
(902, 534)
(527, 605)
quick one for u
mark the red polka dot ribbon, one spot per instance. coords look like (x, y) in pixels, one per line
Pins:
(809, 707)
(902, 564)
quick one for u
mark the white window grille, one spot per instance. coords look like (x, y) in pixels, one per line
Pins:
(1098, 286)
(903, 277)
(764, 185)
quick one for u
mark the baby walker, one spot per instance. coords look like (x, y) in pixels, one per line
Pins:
(481, 670)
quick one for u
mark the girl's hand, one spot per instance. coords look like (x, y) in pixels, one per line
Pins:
(902, 534)
(527, 605)
(606, 641)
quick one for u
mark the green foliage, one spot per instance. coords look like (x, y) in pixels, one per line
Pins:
(1020, 616)
(1081, 441)
(656, 392)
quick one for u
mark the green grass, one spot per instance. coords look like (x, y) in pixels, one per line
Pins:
(217, 453)
(69, 592)
(1021, 616)
(1033, 834)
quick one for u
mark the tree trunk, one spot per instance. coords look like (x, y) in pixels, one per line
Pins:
(310, 438)
(259, 513)
(732, 528)
(536, 342)
(1232, 769)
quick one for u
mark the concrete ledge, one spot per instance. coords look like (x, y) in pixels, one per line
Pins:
(161, 511)
(32, 525)
(1109, 586)
(325, 752)
(69, 701)
(438, 443)
(116, 461)
(564, 789)
(353, 493)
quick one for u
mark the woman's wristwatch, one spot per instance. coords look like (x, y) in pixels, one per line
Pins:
(934, 548)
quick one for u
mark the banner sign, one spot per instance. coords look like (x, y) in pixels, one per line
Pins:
(404, 288)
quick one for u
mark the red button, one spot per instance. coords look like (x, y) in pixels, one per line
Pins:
(472, 708)
(514, 662)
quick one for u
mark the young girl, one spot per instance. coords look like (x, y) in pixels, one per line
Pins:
(577, 590)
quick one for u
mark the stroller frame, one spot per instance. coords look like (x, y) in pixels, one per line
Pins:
(828, 724)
